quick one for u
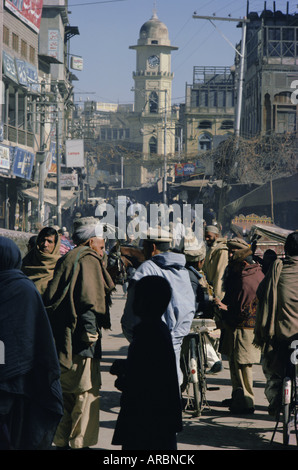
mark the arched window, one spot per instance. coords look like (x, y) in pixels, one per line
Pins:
(153, 145)
(153, 102)
(205, 142)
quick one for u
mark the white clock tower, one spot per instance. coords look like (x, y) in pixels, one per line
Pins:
(153, 90)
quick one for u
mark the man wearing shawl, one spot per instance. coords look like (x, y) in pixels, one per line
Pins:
(216, 259)
(31, 404)
(40, 262)
(76, 303)
(277, 319)
(238, 309)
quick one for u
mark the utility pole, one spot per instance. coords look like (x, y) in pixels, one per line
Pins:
(165, 153)
(41, 155)
(58, 161)
(244, 22)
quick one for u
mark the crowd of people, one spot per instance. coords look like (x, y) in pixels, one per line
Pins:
(51, 374)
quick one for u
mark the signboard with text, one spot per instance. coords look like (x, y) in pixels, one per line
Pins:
(76, 63)
(74, 153)
(4, 158)
(29, 11)
(23, 163)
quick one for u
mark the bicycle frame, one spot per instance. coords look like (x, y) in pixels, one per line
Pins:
(289, 405)
(194, 358)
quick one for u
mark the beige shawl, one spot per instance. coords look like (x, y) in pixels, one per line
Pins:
(267, 306)
(39, 266)
(215, 264)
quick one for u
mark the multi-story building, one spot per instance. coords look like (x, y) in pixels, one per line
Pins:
(209, 111)
(19, 137)
(271, 68)
(35, 60)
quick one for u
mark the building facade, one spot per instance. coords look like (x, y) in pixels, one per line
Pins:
(19, 133)
(209, 112)
(271, 68)
(35, 79)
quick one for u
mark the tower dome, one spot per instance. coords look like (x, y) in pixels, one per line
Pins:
(154, 30)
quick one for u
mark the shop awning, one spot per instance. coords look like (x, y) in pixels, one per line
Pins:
(68, 197)
(283, 190)
(200, 183)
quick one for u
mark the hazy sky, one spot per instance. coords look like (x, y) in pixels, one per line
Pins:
(108, 28)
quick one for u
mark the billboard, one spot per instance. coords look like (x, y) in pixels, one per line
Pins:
(74, 153)
(29, 11)
(23, 163)
(4, 158)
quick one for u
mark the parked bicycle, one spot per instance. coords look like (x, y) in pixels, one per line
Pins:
(289, 406)
(194, 365)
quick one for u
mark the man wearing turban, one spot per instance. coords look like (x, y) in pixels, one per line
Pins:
(216, 259)
(77, 309)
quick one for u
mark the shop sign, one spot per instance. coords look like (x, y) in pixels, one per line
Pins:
(22, 72)
(32, 77)
(23, 163)
(4, 158)
(69, 180)
(76, 63)
(185, 169)
(9, 67)
(74, 153)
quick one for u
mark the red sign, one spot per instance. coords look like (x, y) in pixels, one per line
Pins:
(29, 11)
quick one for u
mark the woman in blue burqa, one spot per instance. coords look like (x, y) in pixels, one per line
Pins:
(30, 392)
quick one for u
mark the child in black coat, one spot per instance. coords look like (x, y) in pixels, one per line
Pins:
(150, 414)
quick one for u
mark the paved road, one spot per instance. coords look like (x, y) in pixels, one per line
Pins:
(216, 429)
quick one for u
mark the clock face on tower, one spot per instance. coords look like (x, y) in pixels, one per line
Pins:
(153, 61)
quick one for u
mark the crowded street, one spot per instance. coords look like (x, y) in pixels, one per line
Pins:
(216, 429)
(148, 228)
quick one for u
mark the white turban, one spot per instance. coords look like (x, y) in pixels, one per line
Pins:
(212, 229)
(85, 228)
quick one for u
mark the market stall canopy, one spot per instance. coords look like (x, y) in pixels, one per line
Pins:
(272, 232)
(50, 196)
(283, 189)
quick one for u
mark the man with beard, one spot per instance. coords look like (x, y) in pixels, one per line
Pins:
(76, 302)
(238, 308)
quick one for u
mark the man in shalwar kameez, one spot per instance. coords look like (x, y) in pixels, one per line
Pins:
(76, 305)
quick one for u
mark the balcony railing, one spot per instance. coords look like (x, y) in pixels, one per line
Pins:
(18, 136)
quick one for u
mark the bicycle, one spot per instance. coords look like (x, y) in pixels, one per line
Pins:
(194, 365)
(289, 398)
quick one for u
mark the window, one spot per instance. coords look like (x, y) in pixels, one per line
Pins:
(205, 142)
(153, 145)
(23, 49)
(6, 35)
(153, 102)
(15, 42)
(285, 119)
(32, 55)
(227, 124)
(205, 125)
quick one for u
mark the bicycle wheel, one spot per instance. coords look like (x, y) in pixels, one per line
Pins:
(193, 365)
(202, 367)
(286, 409)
